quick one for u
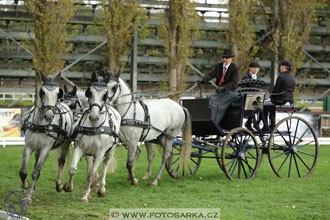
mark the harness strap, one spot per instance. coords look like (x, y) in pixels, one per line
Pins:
(145, 131)
(45, 129)
(93, 131)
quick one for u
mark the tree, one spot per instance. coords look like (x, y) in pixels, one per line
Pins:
(241, 34)
(119, 20)
(179, 25)
(291, 28)
(49, 19)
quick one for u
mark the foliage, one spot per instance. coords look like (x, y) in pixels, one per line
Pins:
(119, 20)
(241, 34)
(49, 21)
(264, 197)
(179, 25)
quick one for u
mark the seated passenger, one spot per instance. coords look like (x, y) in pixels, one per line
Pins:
(282, 92)
(252, 74)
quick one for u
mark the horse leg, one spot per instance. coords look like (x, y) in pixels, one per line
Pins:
(136, 157)
(36, 172)
(106, 163)
(167, 144)
(132, 148)
(91, 176)
(77, 154)
(151, 155)
(89, 160)
(23, 172)
(61, 162)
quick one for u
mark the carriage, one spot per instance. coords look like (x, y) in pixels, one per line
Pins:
(291, 146)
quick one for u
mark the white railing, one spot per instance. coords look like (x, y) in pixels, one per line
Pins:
(5, 96)
(12, 141)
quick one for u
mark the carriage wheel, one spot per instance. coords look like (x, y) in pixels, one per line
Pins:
(293, 148)
(195, 160)
(240, 154)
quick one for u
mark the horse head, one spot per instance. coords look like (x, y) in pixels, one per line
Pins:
(97, 95)
(49, 94)
(113, 85)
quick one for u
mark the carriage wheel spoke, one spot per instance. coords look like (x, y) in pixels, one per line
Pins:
(299, 140)
(239, 168)
(306, 153)
(289, 172)
(244, 170)
(247, 163)
(295, 133)
(289, 127)
(303, 162)
(280, 154)
(232, 173)
(283, 162)
(305, 144)
(252, 156)
(295, 161)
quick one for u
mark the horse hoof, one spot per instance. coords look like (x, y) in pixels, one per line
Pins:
(101, 193)
(84, 200)
(29, 200)
(134, 182)
(25, 185)
(96, 188)
(153, 184)
(146, 177)
(59, 187)
(67, 188)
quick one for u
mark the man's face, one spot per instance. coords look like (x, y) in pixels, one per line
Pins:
(227, 60)
(254, 70)
(283, 68)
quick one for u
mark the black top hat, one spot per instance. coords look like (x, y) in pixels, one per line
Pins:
(227, 53)
(254, 64)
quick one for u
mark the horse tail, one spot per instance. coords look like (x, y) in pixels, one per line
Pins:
(186, 136)
(112, 163)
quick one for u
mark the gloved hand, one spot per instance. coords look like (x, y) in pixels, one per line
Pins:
(220, 89)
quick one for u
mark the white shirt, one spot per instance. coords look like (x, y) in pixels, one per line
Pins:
(226, 66)
(254, 76)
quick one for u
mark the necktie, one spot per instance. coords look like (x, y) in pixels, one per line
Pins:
(223, 75)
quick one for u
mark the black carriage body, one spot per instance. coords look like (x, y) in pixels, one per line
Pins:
(245, 105)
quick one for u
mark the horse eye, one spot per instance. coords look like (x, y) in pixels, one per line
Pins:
(114, 89)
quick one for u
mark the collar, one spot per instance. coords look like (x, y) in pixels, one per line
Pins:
(226, 66)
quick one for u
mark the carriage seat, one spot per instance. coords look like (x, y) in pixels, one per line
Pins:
(287, 107)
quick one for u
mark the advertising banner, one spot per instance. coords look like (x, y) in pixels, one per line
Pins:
(10, 122)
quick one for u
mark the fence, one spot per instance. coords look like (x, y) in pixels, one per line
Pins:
(4, 96)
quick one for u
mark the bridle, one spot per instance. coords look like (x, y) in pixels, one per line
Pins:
(44, 108)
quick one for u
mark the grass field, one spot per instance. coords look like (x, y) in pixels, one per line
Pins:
(264, 197)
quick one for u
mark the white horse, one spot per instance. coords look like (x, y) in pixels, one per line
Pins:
(77, 101)
(96, 135)
(160, 119)
(48, 126)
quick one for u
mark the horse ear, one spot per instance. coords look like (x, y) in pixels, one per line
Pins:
(107, 78)
(74, 90)
(65, 89)
(117, 74)
(94, 77)
(40, 93)
(88, 92)
(58, 77)
(60, 94)
(43, 77)
(105, 97)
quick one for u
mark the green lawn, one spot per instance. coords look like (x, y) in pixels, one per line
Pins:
(264, 197)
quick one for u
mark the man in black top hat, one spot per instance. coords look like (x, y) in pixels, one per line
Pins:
(283, 90)
(254, 69)
(226, 73)
(227, 77)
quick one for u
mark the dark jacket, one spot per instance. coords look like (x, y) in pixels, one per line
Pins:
(230, 80)
(285, 83)
(247, 76)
